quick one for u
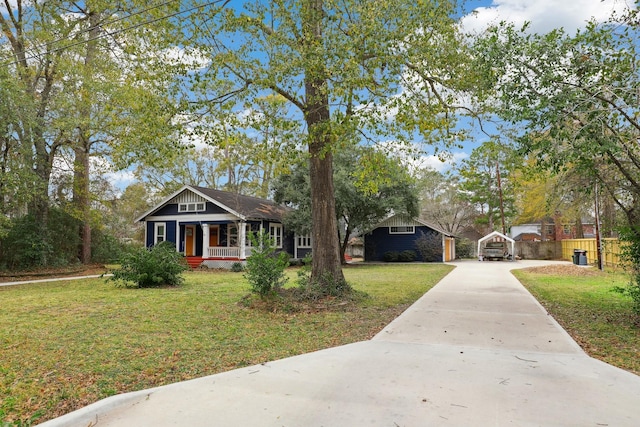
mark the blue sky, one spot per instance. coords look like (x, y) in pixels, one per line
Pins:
(543, 15)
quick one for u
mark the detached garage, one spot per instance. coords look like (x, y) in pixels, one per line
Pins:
(400, 233)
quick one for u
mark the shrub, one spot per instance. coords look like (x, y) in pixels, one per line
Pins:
(266, 265)
(391, 256)
(631, 255)
(237, 267)
(430, 246)
(160, 265)
(105, 248)
(407, 256)
(464, 248)
(28, 244)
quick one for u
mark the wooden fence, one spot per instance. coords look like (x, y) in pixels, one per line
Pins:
(611, 252)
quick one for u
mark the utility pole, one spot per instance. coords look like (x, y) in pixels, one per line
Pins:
(504, 228)
(598, 242)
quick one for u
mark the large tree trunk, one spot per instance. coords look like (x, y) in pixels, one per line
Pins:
(81, 175)
(326, 270)
(82, 201)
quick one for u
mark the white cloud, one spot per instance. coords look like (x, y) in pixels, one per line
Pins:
(13, 5)
(440, 163)
(193, 59)
(120, 179)
(544, 15)
(414, 158)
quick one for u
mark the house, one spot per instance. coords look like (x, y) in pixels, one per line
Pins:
(553, 229)
(399, 233)
(211, 227)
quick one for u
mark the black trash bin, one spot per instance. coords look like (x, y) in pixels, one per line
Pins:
(580, 257)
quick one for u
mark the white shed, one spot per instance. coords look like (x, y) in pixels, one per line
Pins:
(496, 236)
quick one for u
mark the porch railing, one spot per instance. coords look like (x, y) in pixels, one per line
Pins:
(227, 252)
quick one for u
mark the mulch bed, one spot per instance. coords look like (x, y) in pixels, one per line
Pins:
(565, 270)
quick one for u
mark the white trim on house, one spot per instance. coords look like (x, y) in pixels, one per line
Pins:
(402, 229)
(156, 226)
(404, 221)
(186, 197)
(193, 218)
(191, 207)
(276, 232)
(301, 241)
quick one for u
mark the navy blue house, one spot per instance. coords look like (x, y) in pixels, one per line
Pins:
(399, 233)
(211, 227)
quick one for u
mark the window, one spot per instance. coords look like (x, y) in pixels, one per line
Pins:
(160, 232)
(304, 241)
(402, 229)
(191, 207)
(232, 232)
(275, 232)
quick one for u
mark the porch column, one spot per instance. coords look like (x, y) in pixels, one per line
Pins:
(205, 240)
(242, 237)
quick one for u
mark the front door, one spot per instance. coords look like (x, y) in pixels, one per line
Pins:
(214, 239)
(190, 240)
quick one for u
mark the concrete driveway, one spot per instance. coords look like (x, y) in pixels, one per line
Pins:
(476, 350)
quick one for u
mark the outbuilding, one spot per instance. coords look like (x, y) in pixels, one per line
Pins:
(400, 233)
(497, 237)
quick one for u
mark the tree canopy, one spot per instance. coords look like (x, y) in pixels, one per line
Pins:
(81, 80)
(376, 69)
(362, 201)
(577, 99)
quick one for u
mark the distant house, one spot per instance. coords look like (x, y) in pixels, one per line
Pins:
(552, 229)
(211, 227)
(400, 233)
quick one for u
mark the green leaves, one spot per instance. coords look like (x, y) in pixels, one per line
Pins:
(266, 266)
(160, 265)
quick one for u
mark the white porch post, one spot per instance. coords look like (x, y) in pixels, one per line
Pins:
(205, 240)
(242, 237)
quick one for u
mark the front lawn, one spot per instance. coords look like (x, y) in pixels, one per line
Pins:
(70, 343)
(582, 300)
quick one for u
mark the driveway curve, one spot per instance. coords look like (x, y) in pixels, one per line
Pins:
(476, 350)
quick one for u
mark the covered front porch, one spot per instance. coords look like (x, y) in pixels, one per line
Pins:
(211, 242)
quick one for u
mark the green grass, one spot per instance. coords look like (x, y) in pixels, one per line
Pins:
(66, 344)
(599, 319)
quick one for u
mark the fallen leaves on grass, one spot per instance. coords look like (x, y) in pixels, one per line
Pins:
(564, 270)
(46, 273)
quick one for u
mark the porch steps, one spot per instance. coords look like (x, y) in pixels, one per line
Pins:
(194, 261)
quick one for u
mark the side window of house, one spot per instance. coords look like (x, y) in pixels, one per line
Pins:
(161, 232)
(402, 229)
(275, 232)
(304, 241)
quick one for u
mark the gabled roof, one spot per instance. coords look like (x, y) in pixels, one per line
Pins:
(502, 236)
(495, 234)
(244, 207)
(411, 221)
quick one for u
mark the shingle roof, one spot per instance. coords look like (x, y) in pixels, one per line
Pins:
(247, 206)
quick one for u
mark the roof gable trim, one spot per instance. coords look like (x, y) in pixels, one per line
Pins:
(177, 196)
